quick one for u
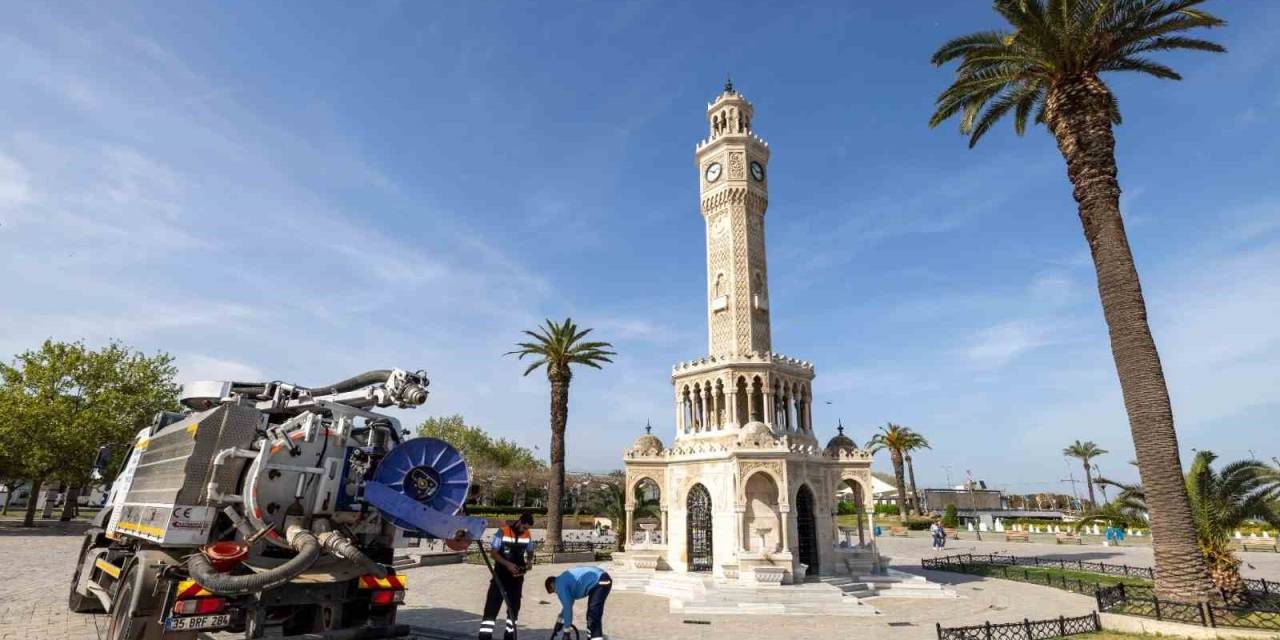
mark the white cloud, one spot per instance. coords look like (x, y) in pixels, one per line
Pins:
(15, 183)
(195, 366)
(998, 345)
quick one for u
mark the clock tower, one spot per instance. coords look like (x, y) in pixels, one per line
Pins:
(745, 490)
(733, 173)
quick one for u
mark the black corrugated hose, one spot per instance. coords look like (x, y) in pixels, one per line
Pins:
(225, 584)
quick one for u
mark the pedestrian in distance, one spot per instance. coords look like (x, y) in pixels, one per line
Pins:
(512, 552)
(592, 583)
(935, 531)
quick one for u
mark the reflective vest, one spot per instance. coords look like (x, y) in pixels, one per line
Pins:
(515, 548)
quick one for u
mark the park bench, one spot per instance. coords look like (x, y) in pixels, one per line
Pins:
(952, 534)
(1249, 545)
(900, 532)
(1017, 536)
(1064, 538)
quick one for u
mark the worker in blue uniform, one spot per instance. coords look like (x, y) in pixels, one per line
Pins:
(592, 583)
(512, 552)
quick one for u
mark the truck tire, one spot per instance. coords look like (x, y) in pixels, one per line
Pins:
(77, 602)
(126, 623)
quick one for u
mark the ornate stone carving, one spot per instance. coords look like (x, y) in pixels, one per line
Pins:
(737, 166)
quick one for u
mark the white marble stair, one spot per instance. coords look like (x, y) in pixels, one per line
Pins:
(899, 584)
(694, 594)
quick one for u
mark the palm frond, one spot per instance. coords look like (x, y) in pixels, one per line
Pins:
(1052, 44)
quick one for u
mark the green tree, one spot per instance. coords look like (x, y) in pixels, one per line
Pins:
(478, 448)
(70, 400)
(1049, 63)
(472, 442)
(914, 442)
(950, 517)
(1221, 502)
(1085, 452)
(896, 439)
(556, 347)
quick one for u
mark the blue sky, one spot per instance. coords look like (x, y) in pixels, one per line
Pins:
(302, 190)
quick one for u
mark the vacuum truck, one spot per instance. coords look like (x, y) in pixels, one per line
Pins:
(273, 510)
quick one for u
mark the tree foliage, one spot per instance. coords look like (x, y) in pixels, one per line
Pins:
(479, 449)
(1222, 501)
(1015, 71)
(63, 400)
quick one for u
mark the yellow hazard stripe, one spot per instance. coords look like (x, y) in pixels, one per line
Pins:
(395, 581)
(191, 589)
(107, 568)
(138, 527)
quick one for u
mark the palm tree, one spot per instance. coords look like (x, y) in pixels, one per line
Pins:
(1085, 452)
(895, 438)
(1221, 501)
(556, 347)
(916, 441)
(1049, 63)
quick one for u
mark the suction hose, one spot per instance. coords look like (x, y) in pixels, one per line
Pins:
(355, 382)
(338, 545)
(224, 584)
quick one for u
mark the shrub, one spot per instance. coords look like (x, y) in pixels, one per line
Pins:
(886, 509)
(846, 509)
(913, 523)
(950, 518)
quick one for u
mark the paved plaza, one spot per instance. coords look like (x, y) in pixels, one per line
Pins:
(37, 566)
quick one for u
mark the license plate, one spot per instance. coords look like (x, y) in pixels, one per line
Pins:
(195, 623)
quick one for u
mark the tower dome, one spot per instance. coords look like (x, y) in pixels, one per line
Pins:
(648, 442)
(841, 443)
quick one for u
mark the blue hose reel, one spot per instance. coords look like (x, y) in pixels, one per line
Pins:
(420, 486)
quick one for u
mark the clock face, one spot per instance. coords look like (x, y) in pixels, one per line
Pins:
(757, 171)
(713, 171)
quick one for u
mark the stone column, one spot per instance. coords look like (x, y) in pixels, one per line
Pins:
(793, 413)
(732, 417)
(706, 409)
(666, 535)
(679, 413)
(768, 413)
(630, 526)
(752, 409)
(785, 512)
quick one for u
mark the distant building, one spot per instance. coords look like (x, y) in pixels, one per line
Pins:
(964, 499)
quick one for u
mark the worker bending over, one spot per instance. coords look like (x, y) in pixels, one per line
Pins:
(592, 583)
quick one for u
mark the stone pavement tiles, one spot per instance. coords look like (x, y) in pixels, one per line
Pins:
(37, 567)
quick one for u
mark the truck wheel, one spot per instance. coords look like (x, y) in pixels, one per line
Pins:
(83, 603)
(125, 624)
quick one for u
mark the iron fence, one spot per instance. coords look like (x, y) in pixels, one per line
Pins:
(1122, 599)
(1261, 612)
(1122, 570)
(1026, 630)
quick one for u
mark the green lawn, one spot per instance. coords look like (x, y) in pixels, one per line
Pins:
(1052, 575)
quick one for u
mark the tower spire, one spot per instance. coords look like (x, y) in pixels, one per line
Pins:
(728, 83)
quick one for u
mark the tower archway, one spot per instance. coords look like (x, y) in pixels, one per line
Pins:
(807, 530)
(698, 529)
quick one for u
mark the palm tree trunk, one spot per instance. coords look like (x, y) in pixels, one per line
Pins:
(915, 495)
(1078, 113)
(896, 456)
(559, 419)
(1088, 482)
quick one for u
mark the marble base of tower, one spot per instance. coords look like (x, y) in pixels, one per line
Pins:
(745, 493)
